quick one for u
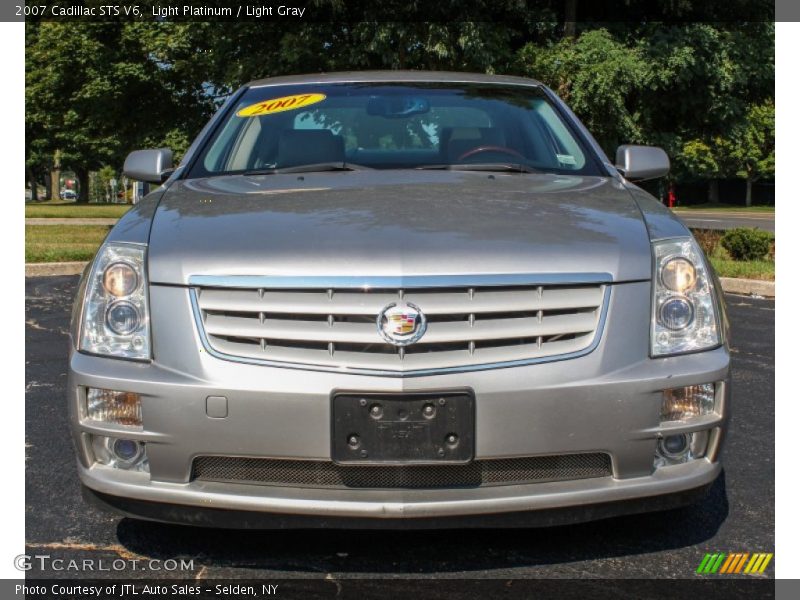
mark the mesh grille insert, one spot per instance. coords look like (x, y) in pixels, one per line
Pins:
(326, 474)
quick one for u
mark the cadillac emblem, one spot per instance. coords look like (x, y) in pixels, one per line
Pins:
(401, 323)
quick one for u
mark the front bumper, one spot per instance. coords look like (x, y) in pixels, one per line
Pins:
(607, 401)
(208, 516)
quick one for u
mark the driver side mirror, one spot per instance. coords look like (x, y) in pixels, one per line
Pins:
(152, 166)
(638, 163)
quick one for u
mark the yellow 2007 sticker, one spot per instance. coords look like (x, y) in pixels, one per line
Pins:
(276, 105)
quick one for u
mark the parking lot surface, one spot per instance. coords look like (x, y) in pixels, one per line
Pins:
(726, 219)
(737, 516)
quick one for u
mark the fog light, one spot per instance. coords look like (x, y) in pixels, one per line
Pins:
(674, 449)
(125, 450)
(680, 404)
(674, 446)
(120, 453)
(112, 406)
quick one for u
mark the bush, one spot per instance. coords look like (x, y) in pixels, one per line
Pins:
(747, 244)
(708, 239)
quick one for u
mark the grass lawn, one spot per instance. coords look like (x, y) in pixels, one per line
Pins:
(745, 269)
(753, 269)
(62, 243)
(726, 208)
(70, 210)
(725, 266)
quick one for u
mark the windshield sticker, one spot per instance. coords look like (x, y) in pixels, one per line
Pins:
(276, 105)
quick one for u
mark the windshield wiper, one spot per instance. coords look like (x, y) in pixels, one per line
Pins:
(505, 167)
(317, 167)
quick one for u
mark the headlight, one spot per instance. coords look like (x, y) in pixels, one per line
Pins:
(116, 317)
(120, 279)
(685, 316)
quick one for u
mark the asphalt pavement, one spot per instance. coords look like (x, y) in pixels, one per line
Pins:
(737, 516)
(715, 219)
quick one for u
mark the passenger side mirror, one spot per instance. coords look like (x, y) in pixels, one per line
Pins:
(638, 163)
(152, 166)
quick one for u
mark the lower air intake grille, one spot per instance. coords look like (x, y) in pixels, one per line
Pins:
(325, 474)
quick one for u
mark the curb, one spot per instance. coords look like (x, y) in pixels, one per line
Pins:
(54, 268)
(747, 287)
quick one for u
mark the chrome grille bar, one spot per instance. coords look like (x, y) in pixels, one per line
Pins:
(335, 327)
(360, 303)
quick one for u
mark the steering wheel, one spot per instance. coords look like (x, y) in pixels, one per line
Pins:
(480, 149)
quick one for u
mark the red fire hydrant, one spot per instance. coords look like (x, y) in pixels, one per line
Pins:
(671, 196)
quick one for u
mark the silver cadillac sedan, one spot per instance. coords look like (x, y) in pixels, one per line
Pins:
(399, 299)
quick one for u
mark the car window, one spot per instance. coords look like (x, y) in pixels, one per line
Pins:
(393, 126)
(376, 133)
(567, 151)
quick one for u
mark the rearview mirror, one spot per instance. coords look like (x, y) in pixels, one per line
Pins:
(152, 166)
(397, 107)
(638, 163)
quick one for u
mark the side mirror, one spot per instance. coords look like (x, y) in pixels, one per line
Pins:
(152, 166)
(638, 163)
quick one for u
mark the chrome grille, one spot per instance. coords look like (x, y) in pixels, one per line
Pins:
(326, 474)
(336, 328)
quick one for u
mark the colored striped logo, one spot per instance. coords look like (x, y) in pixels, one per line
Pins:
(738, 562)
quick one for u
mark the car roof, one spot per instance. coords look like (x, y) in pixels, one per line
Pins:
(394, 76)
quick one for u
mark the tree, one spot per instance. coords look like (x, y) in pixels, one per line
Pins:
(36, 150)
(102, 184)
(698, 83)
(598, 77)
(570, 12)
(95, 91)
(700, 158)
(751, 146)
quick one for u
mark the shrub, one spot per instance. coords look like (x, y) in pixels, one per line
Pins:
(746, 244)
(708, 239)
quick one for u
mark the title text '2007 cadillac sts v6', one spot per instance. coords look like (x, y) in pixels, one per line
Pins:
(398, 299)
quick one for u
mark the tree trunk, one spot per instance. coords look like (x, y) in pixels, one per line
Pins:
(713, 191)
(34, 188)
(48, 185)
(83, 185)
(570, 11)
(55, 184)
(748, 199)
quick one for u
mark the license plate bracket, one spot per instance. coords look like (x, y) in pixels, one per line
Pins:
(405, 428)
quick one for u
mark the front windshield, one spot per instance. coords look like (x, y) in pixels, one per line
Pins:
(393, 126)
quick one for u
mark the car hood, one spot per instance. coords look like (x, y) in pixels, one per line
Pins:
(397, 223)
